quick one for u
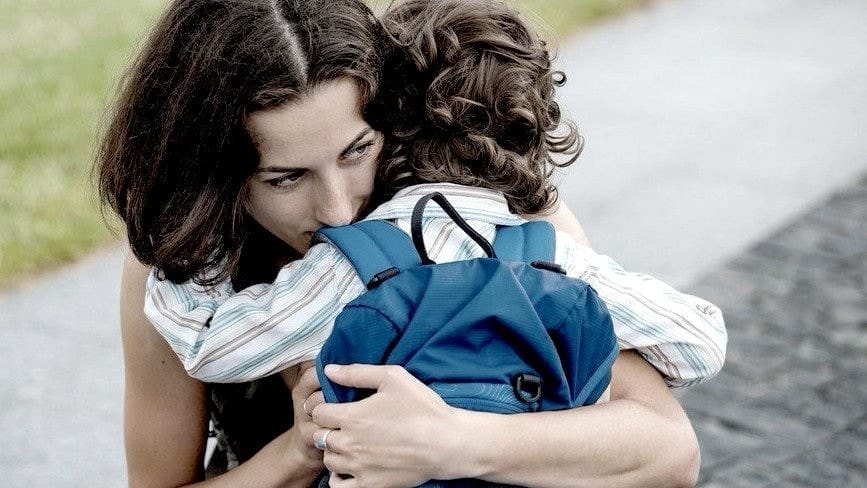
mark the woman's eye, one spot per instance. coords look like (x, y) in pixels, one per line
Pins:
(287, 180)
(359, 151)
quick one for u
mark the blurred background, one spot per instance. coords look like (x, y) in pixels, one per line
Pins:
(62, 62)
(726, 154)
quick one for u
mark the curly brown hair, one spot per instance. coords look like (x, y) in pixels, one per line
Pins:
(176, 155)
(472, 100)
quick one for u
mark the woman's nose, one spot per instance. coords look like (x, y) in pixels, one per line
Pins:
(334, 207)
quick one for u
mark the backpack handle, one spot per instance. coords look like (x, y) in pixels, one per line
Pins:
(418, 237)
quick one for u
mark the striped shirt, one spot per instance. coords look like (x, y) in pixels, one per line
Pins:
(225, 336)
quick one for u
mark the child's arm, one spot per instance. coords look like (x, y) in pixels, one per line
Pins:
(225, 337)
(682, 336)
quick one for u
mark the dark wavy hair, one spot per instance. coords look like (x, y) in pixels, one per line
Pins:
(471, 90)
(176, 156)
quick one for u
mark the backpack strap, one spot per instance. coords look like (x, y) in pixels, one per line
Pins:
(374, 247)
(528, 242)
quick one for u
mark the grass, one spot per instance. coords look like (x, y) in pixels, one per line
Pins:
(61, 63)
(559, 18)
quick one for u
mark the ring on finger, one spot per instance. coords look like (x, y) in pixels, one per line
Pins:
(304, 407)
(321, 443)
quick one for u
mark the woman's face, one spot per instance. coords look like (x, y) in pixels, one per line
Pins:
(317, 164)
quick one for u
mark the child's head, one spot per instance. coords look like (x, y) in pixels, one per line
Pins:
(475, 101)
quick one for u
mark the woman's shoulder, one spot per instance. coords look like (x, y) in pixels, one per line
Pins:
(132, 292)
(134, 275)
(143, 347)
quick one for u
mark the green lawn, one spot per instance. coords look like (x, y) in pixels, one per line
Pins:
(60, 64)
(60, 60)
(561, 17)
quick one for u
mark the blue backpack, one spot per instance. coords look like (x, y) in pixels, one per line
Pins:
(507, 333)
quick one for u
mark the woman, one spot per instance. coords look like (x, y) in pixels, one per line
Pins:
(180, 164)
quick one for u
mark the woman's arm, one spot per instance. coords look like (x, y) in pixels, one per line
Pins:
(640, 438)
(165, 416)
(165, 420)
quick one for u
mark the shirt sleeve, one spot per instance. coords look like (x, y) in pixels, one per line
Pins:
(225, 337)
(682, 336)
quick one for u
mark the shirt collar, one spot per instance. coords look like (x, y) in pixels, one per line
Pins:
(472, 203)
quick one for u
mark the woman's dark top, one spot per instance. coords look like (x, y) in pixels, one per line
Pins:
(245, 417)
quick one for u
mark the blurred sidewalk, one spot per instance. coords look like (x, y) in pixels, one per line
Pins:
(62, 374)
(709, 126)
(790, 406)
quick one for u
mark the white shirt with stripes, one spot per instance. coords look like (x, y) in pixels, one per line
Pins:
(224, 336)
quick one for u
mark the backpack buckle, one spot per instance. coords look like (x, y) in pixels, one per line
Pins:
(548, 266)
(528, 387)
(380, 277)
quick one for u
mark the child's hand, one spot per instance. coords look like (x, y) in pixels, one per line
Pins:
(305, 396)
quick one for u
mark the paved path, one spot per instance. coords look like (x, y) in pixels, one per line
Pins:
(709, 125)
(62, 375)
(790, 406)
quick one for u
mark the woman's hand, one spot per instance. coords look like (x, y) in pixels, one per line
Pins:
(395, 437)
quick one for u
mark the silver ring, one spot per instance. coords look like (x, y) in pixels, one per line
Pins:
(322, 444)
(304, 407)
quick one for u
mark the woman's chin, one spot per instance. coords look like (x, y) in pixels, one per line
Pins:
(301, 244)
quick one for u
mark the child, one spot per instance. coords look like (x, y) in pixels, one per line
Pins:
(474, 119)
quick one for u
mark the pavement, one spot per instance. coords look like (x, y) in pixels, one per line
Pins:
(790, 406)
(61, 369)
(725, 154)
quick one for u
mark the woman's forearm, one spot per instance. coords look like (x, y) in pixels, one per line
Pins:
(640, 438)
(405, 434)
(270, 467)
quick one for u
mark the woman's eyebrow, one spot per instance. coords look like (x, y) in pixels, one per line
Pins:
(359, 137)
(283, 169)
(276, 169)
